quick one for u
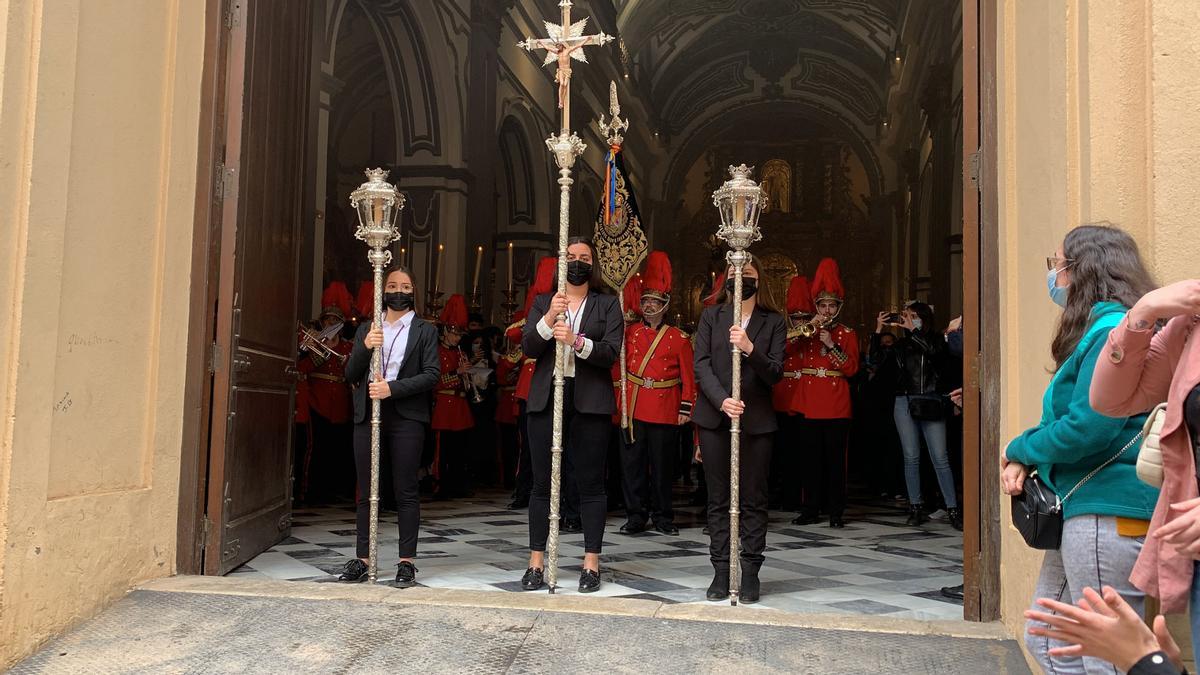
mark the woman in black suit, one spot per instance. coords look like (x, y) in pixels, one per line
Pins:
(411, 368)
(592, 332)
(761, 339)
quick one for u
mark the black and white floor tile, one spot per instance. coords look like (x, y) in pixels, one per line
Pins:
(876, 565)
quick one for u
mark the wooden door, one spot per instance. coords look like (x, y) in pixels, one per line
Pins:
(981, 310)
(248, 506)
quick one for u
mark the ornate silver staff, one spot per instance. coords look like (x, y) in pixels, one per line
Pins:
(738, 201)
(378, 205)
(566, 42)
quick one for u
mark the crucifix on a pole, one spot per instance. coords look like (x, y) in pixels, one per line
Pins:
(565, 42)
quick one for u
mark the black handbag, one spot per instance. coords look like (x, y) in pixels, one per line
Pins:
(926, 407)
(1037, 512)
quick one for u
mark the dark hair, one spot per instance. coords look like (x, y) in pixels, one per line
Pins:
(1105, 267)
(595, 283)
(762, 296)
(923, 312)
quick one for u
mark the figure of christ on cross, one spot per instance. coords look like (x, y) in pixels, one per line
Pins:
(565, 42)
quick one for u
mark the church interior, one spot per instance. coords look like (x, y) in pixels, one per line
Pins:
(849, 110)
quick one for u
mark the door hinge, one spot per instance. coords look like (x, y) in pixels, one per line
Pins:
(973, 168)
(233, 15)
(973, 379)
(205, 528)
(226, 183)
(214, 357)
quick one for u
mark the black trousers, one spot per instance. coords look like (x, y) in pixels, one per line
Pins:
(585, 445)
(648, 466)
(755, 463)
(785, 462)
(455, 451)
(824, 475)
(402, 441)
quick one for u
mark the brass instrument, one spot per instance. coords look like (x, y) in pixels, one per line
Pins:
(314, 342)
(808, 328)
(468, 381)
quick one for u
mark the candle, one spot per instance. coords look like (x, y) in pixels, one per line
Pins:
(478, 261)
(378, 211)
(712, 280)
(437, 275)
(403, 252)
(510, 266)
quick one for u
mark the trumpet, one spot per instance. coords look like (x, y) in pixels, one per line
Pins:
(314, 342)
(808, 328)
(468, 381)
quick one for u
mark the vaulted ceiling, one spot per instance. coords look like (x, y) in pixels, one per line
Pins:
(702, 63)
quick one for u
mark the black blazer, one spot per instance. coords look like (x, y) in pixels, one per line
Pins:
(601, 323)
(418, 373)
(760, 371)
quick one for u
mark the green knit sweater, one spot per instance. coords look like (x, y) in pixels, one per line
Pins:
(1072, 439)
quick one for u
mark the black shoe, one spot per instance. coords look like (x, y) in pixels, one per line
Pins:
(589, 581)
(705, 531)
(806, 518)
(633, 526)
(953, 592)
(719, 588)
(666, 527)
(955, 516)
(836, 522)
(518, 503)
(916, 516)
(534, 579)
(406, 574)
(572, 525)
(354, 572)
(749, 591)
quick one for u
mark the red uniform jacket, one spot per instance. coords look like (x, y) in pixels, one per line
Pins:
(826, 395)
(672, 360)
(616, 378)
(451, 412)
(508, 370)
(328, 393)
(788, 394)
(525, 379)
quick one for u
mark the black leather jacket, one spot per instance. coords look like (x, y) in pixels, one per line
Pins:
(920, 360)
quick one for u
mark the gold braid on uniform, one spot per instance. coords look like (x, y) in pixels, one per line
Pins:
(835, 352)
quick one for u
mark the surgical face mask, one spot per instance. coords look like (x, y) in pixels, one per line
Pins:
(578, 272)
(1058, 294)
(917, 323)
(749, 287)
(397, 301)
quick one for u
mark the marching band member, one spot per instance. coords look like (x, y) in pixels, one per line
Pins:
(761, 338)
(452, 419)
(410, 371)
(331, 409)
(661, 389)
(543, 282)
(829, 359)
(789, 404)
(508, 370)
(591, 329)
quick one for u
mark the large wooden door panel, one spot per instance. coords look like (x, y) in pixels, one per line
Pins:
(249, 495)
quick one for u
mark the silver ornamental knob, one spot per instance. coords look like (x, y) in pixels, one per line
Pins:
(739, 201)
(378, 204)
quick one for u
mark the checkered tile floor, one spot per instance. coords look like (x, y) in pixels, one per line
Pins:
(876, 565)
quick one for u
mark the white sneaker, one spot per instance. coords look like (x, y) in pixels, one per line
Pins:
(940, 514)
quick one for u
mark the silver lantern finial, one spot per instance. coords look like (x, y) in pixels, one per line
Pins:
(739, 201)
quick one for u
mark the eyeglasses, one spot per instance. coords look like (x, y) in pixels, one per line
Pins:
(1052, 262)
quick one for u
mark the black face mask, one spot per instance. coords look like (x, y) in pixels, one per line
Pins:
(398, 301)
(749, 287)
(578, 272)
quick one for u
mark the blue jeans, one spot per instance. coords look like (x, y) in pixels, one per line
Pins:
(1194, 609)
(935, 439)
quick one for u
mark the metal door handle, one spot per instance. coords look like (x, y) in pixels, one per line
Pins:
(241, 363)
(291, 371)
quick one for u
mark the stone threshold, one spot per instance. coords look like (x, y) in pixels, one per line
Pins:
(543, 601)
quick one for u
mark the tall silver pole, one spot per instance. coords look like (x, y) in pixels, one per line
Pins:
(566, 42)
(378, 206)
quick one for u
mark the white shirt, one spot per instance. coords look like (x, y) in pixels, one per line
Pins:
(395, 343)
(575, 319)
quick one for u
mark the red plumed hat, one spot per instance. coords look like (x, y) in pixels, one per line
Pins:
(827, 282)
(799, 297)
(715, 292)
(543, 280)
(513, 332)
(656, 280)
(337, 295)
(454, 314)
(633, 298)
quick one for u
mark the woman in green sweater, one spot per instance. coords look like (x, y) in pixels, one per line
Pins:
(1095, 276)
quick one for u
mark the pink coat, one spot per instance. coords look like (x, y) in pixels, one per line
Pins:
(1138, 370)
